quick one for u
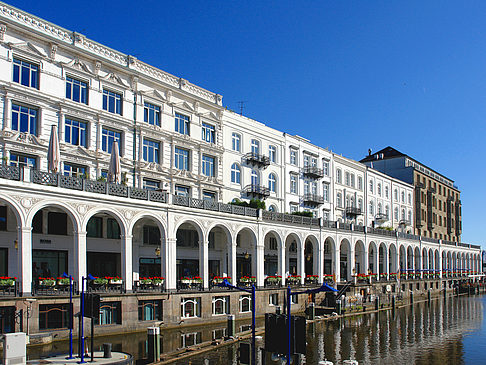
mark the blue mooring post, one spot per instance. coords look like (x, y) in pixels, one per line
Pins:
(253, 326)
(289, 324)
(81, 315)
(71, 319)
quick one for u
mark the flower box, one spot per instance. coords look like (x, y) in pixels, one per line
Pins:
(115, 282)
(294, 279)
(62, 281)
(100, 281)
(47, 282)
(311, 278)
(158, 280)
(220, 279)
(274, 279)
(186, 281)
(145, 281)
(197, 280)
(7, 281)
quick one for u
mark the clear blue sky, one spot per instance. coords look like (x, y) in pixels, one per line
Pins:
(348, 75)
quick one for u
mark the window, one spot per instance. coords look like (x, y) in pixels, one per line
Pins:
(255, 147)
(403, 214)
(403, 197)
(190, 307)
(387, 212)
(325, 215)
(313, 162)
(112, 229)
(272, 182)
(236, 142)
(360, 183)
(149, 310)
(273, 299)
(208, 133)
(352, 180)
(209, 195)
(151, 184)
(190, 339)
(74, 170)
(110, 313)
(338, 176)
(372, 209)
(75, 132)
(151, 114)
(325, 167)
(151, 235)
(151, 150)
(108, 137)
(182, 124)
(386, 192)
(53, 316)
(272, 243)
(395, 194)
(18, 159)
(306, 160)
(24, 119)
(380, 208)
(371, 186)
(272, 153)
(221, 305)
(76, 90)
(112, 102)
(306, 187)
(409, 198)
(360, 204)
(94, 228)
(25, 73)
(294, 208)
(254, 178)
(347, 179)
(293, 246)
(293, 184)
(396, 214)
(208, 166)
(293, 157)
(181, 159)
(57, 223)
(378, 189)
(339, 200)
(272, 208)
(409, 217)
(325, 192)
(3, 227)
(182, 190)
(235, 174)
(245, 303)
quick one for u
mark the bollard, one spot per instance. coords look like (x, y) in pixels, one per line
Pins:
(107, 350)
(338, 307)
(312, 311)
(153, 336)
(231, 327)
(377, 303)
(411, 297)
(428, 296)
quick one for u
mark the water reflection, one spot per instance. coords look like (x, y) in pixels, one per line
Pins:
(442, 332)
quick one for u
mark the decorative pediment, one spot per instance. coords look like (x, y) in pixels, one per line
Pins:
(154, 94)
(79, 65)
(115, 79)
(29, 138)
(27, 48)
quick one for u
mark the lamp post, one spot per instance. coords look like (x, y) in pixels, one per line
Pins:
(28, 311)
(227, 284)
(81, 318)
(71, 319)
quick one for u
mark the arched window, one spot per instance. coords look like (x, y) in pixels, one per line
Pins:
(339, 200)
(379, 189)
(380, 208)
(255, 147)
(272, 208)
(409, 217)
(235, 174)
(386, 191)
(387, 212)
(338, 176)
(245, 303)
(396, 214)
(272, 182)
(371, 186)
(254, 178)
(403, 197)
(372, 208)
(403, 214)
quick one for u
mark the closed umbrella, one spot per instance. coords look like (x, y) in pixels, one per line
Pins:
(114, 172)
(53, 153)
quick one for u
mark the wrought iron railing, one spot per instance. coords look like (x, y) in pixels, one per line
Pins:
(313, 199)
(353, 211)
(189, 202)
(289, 218)
(10, 172)
(313, 171)
(257, 159)
(257, 190)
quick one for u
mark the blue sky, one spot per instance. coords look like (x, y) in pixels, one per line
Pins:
(347, 75)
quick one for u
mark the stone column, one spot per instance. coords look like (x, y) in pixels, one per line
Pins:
(320, 264)
(232, 261)
(260, 265)
(80, 261)
(169, 263)
(60, 127)
(6, 113)
(25, 260)
(281, 262)
(352, 263)
(336, 264)
(127, 259)
(204, 262)
(301, 262)
(366, 264)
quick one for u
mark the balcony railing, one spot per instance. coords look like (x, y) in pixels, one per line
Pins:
(257, 159)
(256, 191)
(381, 217)
(313, 199)
(404, 222)
(185, 201)
(10, 172)
(290, 218)
(353, 211)
(313, 172)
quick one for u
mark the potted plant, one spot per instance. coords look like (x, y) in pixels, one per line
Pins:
(114, 280)
(7, 281)
(186, 280)
(197, 280)
(157, 280)
(328, 278)
(145, 281)
(47, 282)
(62, 281)
(100, 281)
(311, 279)
(277, 279)
(293, 279)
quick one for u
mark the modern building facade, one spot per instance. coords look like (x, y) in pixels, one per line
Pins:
(437, 200)
(183, 157)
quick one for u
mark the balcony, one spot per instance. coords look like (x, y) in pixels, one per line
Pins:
(313, 172)
(404, 223)
(353, 211)
(256, 191)
(313, 199)
(381, 218)
(255, 159)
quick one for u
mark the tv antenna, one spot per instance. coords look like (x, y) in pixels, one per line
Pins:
(241, 105)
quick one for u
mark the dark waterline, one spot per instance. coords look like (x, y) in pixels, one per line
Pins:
(445, 332)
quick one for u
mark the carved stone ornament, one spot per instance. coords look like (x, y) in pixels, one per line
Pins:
(97, 67)
(53, 51)
(182, 82)
(168, 95)
(3, 30)
(128, 214)
(196, 106)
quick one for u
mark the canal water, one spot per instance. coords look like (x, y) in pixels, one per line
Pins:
(450, 331)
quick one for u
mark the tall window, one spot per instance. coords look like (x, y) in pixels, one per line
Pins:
(24, 119)
(339, 200)
(182, 124)
(151, 114)
(306, 160)
(272, 153)
(371, 186)
(360, 183)
(26, 73)
(235, 173)
(149, 310)
(395, 194)
(293, 157)
(378, 188)
(112, 101)
(386, 191)
(396, 214)
(108, 137)
(403, 214)
(352, 180)
(347, 179)
(208, 166)
(110, 313)
(151, 150)
(306, 187)
(74, 170)
(190, 307)
(255, 147)
(76, 90)
(254, 178)
(181, 159)
(380, 208)
(75, 132)
(360, 204)
(208, 133)
(403, 197)
(372, 209)
(387, 212)
(339, 176)
(272, 182)
(409, 198)
(221, 305)
(293, 184)
(409, 217)
(325, 167)
(19, 159)
(236, 142)
(325, 192)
